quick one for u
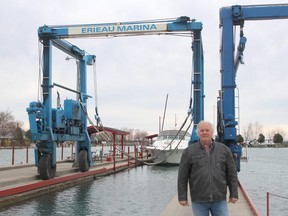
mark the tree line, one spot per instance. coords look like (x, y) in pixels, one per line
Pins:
(254, 132)
(11, 131)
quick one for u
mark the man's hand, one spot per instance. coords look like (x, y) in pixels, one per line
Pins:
(184, 203)
(233, 200)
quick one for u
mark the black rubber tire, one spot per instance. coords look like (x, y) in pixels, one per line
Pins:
(46, 171)
(83, 161)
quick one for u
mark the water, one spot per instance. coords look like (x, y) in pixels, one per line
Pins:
(266, 171)
(147, 190)
(140, 191)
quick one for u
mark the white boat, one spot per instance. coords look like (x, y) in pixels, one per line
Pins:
(168, 147)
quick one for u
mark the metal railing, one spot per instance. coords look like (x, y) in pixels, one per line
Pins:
(268, 200)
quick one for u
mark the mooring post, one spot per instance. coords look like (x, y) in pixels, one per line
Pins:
(129, 156)
(13, 152)
(267, 200)
(27, 155)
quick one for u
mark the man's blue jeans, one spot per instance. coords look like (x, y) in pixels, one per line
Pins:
(216, 208)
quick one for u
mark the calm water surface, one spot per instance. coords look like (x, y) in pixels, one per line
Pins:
(267, 171)
(147, 190)
(140, 191)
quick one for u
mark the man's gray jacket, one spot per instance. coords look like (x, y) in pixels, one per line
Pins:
(208, 174)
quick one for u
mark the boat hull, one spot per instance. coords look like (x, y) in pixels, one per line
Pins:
(169, 147)
(167, 157)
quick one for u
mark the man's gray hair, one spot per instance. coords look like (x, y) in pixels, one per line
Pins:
(205, 122)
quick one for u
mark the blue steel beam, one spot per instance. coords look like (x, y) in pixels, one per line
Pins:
(230, 17)
(198, 83)
(181, 24)
(259, 12)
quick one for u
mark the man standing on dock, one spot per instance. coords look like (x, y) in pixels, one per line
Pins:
(208, 167)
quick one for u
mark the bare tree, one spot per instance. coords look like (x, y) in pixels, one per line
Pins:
(19, 136)
(140, 134)
(7, 124)
(252, 131)
(257, 129)
(247, 132)
(9, 128)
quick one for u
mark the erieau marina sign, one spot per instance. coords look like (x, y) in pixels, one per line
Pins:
(117, 28)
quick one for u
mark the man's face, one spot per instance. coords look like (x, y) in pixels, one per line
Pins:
(205, 133)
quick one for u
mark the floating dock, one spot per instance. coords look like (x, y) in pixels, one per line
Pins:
(244, 206)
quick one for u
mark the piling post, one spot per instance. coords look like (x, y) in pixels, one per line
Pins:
(129, 156)
(13, 153)
(72, 148)
(135, 154)
(267, 203)
(62, 148)
(114, 152)
(27, 155)
(122, 146)
(102, 153)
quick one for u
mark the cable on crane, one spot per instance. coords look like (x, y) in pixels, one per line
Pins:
(40, 61)
(190, 112)
(97, 117)
(163, 151)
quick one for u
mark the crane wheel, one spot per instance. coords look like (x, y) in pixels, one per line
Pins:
(83, 161)
(46, 171)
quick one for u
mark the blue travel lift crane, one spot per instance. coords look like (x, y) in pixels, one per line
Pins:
(231, 17)
(50, 126)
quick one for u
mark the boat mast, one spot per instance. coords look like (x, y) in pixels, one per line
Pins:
(164, 112)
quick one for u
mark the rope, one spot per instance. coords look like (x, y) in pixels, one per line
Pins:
(111, 36)
(181, 139)
(120, 150)
(113, 23)
(163, 151)
(97, 118)
(106, 137)
(190, 111)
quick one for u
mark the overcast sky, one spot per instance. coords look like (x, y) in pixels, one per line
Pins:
(134, 74)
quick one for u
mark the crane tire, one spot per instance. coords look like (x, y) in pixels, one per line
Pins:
(46, 171)
(83, 161)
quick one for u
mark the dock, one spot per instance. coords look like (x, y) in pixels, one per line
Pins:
(243, 207)
(19, 183)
